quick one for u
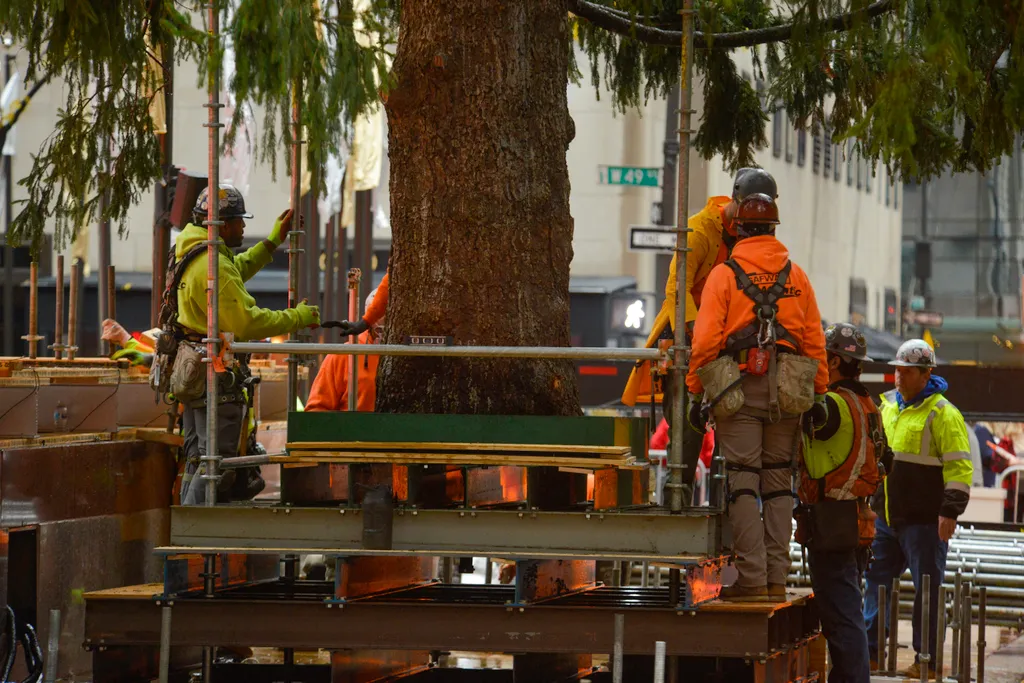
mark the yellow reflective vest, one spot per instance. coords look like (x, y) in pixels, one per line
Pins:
(931, 469)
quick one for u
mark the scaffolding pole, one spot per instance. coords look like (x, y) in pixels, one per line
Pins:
(294, 236)
(211, 459)
(680, 350)
(565, 352)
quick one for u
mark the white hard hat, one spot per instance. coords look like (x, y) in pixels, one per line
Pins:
(915, 353)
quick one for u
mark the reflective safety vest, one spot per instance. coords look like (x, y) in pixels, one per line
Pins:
(932, 469)
(859, 443)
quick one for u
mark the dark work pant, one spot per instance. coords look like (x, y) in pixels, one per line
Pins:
(230, 420)
(917, 546)
(836, 582)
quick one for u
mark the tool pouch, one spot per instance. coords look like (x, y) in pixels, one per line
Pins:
(865, 523)
(796, 382)
(834, 526)
(188, 375)
(802, 515)
(721, 379)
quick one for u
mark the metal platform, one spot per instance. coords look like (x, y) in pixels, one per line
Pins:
(449, 617)
(647, 535)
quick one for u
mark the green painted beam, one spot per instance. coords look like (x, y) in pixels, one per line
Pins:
(430, 428)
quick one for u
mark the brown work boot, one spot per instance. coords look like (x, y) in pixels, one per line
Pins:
(777, 592)
(913, 672)
(737, 593)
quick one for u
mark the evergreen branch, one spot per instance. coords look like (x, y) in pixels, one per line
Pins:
(9, 122)
(610, 21)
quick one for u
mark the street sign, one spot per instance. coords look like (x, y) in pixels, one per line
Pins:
(931, 319)
(661, 239)
(628, 175)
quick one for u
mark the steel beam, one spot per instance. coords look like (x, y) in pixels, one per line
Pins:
(713, 631)
(685, 538)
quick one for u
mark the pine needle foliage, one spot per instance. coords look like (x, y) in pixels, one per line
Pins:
(921, 86)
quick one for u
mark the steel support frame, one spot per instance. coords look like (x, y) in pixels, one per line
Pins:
(685, 538)
(375, 625)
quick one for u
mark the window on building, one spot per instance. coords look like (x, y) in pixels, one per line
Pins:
(790, 139)
(859, 167)
(897, 189)
(837, 154)
(778, 131)
(869, 175)
(849, 163)
(888, 187)
(801, 147)
(827, 150)
(816, 154)
(858, 301)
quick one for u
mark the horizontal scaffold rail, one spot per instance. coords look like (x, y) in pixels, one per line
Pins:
(687, 538)
(567, 352)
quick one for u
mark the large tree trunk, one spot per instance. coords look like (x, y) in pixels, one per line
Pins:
(482, 235)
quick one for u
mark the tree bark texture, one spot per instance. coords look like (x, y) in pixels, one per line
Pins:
(482, 235)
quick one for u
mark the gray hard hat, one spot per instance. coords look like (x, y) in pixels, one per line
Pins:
(844, 339)
(754, 181)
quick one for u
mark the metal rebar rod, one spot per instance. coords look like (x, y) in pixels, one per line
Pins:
(354, 276)
(965, 635)
(924, 656)
(659, 661)
(33, 310)
(488, 570)
(570, 352)
(209, 582)
(294, 237)
(617, 647)
(954, 660)
(679, 429)
(112, 294)
(58, 328)
(52, 648)
(894, 625)
(982, 606)
(212, 456)
(645, 568)
(940, 633)
(165, 643)
(72, 347)
(880, 657)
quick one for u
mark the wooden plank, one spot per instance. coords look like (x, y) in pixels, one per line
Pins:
(435, 447)
(445, 428)
(145, 591)
(485, 459)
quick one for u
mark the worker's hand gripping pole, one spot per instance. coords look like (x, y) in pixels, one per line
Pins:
(354, 277)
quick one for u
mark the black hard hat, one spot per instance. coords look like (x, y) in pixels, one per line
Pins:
(754, 181)
(844, 339)
(758, 208)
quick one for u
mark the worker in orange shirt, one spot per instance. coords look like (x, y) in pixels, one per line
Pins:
(374, 314)
(330, 388)
(758, 365)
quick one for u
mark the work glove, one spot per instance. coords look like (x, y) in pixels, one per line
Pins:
(282, 226)
(817, 416)
(309, 316)
(697, 415)
(358, 327)
(134, 356)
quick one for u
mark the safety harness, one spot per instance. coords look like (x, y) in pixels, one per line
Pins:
(765, 329)
(781, 493)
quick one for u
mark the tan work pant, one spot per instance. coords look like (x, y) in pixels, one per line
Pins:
(750, 442)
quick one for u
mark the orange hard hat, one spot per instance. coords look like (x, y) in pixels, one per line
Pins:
(758, 208)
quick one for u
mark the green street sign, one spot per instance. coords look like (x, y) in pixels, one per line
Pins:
(628, 175)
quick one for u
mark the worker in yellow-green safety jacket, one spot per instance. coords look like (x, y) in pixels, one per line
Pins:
(184, 317)
(839, 472)
(927, 487)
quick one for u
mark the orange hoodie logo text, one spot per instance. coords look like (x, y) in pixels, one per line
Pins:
(766, 280)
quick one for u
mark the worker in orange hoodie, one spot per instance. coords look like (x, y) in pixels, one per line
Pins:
(330, 388)
(758, 365)
(374, 314)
